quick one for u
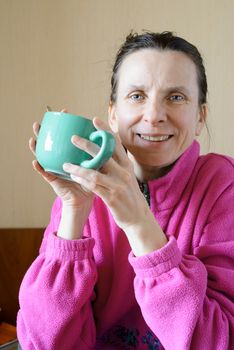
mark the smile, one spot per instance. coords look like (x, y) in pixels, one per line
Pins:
(155, 138)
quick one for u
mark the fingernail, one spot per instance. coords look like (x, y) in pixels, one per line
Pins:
(66, 166)
(75, 138)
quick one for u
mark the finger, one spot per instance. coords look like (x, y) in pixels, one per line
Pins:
(79, 174)
(64, 110)
(86, 185)
(85, 145)
(36, 128)
(47, 176)
(100, 184)
(93, 149)
(86, 190)
(90, 179)
(120, 153)
(101, 124)
(32, 145)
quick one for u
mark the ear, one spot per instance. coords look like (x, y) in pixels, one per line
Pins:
(202, 116)
(112, 119)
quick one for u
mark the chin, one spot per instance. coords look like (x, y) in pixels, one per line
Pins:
(155, 163)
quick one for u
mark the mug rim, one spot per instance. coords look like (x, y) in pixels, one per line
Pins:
(56, 113)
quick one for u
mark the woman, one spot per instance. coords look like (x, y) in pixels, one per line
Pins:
(139, 255)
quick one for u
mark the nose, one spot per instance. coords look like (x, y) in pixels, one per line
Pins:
(155, 113)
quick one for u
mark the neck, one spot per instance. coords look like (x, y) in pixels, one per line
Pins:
(145, 172)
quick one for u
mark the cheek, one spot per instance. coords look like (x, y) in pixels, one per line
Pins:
(182, 124)
(185, 121)
(126, 116)
(120, 117)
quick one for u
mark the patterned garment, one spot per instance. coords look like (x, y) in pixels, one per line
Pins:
(145, 190)
(123, 338)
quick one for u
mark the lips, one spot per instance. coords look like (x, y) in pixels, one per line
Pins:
(155, 138)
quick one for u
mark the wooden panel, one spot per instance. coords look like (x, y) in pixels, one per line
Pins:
(7, 333)
(18, 248)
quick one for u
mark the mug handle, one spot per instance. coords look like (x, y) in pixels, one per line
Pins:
(106, 141)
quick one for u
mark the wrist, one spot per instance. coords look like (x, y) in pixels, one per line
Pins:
(73, 220)
(145, 237)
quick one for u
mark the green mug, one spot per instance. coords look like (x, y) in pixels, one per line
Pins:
(54, 146)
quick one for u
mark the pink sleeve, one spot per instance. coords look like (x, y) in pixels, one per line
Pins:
(56, 293)
(187, 300)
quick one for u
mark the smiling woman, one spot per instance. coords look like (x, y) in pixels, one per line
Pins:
(139, 254)
(158, 119)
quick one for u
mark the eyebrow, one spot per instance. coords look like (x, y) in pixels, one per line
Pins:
(166, 90)
(177, 88)
(136, 87)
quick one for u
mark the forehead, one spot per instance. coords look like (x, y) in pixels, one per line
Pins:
(156, 67)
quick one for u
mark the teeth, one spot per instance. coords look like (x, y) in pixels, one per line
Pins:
(154, 138)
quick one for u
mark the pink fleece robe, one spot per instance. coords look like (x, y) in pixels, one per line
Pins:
(94, 293)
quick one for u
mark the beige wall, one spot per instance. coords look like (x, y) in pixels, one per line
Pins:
(60, 52)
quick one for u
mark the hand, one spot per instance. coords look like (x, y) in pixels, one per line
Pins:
(115, 182)
(72, 194)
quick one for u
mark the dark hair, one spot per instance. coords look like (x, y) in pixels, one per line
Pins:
(160, 41)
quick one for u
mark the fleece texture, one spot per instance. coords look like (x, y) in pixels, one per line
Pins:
(93, 293)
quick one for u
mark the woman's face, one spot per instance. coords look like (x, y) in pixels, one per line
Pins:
(156, 111)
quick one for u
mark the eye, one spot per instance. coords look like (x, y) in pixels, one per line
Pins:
(176, 98)
(137, 97)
